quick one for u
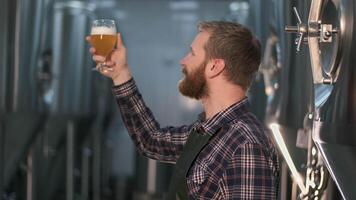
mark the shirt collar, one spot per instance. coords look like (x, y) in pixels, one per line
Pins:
(212, 125)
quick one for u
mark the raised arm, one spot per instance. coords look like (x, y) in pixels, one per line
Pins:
(164, 144)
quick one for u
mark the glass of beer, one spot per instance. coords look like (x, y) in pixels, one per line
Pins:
(103, 38)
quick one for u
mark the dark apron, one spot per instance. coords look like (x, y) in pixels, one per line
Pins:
(178, 189)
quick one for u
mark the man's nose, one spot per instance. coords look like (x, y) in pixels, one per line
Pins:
(183, 60)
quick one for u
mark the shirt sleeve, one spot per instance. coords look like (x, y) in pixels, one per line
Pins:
(162, 144)
(250, 175)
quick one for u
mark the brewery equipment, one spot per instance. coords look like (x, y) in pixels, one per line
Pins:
(329, 35)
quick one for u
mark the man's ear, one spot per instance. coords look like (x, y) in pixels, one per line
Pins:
(215, 67)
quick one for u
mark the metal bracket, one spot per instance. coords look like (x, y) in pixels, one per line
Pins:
(326, 33)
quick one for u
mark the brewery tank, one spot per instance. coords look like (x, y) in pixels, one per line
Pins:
(335, 102)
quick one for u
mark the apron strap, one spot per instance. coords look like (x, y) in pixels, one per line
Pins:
(178, 189)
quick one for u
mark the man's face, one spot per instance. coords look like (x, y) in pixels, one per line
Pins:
(193, 85)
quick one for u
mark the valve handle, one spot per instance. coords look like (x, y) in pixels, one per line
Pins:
(300, 29)
(297, 15)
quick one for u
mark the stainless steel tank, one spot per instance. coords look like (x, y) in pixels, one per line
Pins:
(286, 79)
(19, 41)
(24, 36)
(45, 68)
(289, 88)
(335, 100)
(329, 34)
(72, 79)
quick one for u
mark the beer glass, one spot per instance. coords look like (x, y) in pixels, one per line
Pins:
(103, 38)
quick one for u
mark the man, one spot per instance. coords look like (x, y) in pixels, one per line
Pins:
(225, 154)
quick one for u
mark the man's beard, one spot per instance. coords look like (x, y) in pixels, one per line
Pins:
(193, 85)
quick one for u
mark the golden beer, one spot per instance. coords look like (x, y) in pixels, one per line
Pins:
(103, 43)
(103, 39)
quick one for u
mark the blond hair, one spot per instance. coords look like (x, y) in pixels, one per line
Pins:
(237, 46)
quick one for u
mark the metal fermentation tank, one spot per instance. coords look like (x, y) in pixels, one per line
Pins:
(335, 107)
(52, 105)
(328, 31)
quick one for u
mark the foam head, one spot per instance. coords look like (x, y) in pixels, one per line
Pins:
(103, 30)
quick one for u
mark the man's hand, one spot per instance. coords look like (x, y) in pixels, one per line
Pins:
(116, 62)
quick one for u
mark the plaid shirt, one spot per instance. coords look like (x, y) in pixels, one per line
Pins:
(239, 162)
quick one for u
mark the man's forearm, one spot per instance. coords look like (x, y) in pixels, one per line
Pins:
(158, 143)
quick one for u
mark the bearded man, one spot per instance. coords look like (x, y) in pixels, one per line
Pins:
(226, 153)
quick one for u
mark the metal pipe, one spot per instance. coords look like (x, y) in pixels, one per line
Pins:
(3, 54)
(29, 178)
(85, 173)
(70, 161)
(2, 163)
(291, 29)
(17, 55)
(285, 187)
(3, 86)
(151, 176)
(96, 164)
